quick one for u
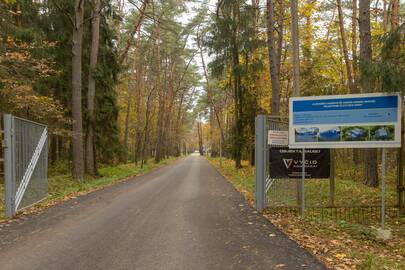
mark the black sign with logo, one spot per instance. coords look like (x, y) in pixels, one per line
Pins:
(287, 163)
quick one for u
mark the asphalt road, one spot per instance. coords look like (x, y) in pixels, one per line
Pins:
(183, 216)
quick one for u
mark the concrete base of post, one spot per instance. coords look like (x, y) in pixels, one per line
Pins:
(383, 234)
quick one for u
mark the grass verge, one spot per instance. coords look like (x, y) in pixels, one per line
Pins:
(340, 245)
(62, 187)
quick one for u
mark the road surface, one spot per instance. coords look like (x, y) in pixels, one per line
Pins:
(183, 216)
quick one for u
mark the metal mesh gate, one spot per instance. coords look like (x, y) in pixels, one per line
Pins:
(280, 192)
(25, 163)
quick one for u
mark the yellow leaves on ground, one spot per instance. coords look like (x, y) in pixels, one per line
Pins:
(340, 256)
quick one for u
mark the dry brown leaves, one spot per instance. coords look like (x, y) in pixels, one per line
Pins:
(335, 247)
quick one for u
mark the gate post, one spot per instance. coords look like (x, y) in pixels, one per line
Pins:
(9, 173)
(260, 161)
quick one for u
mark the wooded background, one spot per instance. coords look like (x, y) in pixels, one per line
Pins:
(120, 81)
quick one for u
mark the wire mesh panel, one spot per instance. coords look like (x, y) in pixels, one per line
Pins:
(28, 137)
(26, 163)
(280, 191)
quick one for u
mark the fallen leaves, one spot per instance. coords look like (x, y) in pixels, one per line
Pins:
(340, 247)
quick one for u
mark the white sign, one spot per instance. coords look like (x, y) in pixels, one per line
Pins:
(346, 121)
(278, 137)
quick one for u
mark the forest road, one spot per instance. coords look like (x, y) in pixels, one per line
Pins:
(182, 216)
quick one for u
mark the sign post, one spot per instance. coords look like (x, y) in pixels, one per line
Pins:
(260, 161)
(383, 189)
(302, 211)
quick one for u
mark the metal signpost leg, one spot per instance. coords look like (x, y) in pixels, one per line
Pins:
(383, 189)
(332, 178)
(260, 157)
(302, 210)
(8, 165)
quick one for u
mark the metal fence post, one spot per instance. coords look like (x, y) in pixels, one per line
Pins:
(9, 173)
(260, 161)
(302, 186)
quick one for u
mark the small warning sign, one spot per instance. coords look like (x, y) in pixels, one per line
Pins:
(278, 137)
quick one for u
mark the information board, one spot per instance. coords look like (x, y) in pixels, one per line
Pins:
(287, 163)
(346, 121)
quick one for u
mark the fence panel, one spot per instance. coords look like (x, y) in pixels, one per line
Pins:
(26, 163)
(280, 192)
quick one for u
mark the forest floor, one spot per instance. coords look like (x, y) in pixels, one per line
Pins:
(62, 187)
(339, 244)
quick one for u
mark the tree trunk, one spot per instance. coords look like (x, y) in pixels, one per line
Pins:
(95, 40)
(365, 41)
(145, 143)
(53, 149)
(344, 47)
(295, 48)
(200, 137)
(274, 72)
(237, 87)
(394, 21)
(137, 27)
(385, 15)
(209, 90)
(139, 105)
(128, 113)
(77, 143)
(354, 43)
(18, 14)
(370, 165)
(162, 103)
(394, 18)
(280, 23)
(355, 65)
(296, 66)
